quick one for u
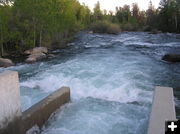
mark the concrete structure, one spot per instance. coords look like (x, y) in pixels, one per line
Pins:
(163, 109)
(10, 105)
(12, 120)
(40, 112)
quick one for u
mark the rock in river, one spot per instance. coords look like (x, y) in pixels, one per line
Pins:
(171, 57)
(36, 54)
(6, 62)
(36, 50)
(35, 57)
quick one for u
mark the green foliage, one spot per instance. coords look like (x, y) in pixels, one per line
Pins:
(97, 12)
(123, 14)
(130, 20)
(4, 13)
(129, 27)
(166, 18)
(105, 27)
(28, 23)
(169, 15)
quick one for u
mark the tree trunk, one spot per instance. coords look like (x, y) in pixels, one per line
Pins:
(34, 35)
(176, 24)
(40, 39)
(1, 43)
(2, 49)
(34, 28)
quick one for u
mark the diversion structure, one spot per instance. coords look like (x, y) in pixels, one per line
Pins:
(13, 121)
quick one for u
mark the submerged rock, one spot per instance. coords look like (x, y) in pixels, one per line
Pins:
(6, 62)
(134, 103)
(171, 57)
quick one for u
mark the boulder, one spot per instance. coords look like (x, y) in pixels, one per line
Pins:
(30, 60)
(39, 50)
(27, 52)
(36, 50)
(6, 62)
(171, 57)
(90, 32)
(35, 57)
(38, 56)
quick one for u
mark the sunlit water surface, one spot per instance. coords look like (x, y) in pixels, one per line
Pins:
(112, 79)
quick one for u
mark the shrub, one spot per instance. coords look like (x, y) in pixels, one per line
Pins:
(129, 27)
(147, 28)
(105, 27)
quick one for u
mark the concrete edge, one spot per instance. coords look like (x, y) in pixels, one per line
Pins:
(10, 109)
(39, 113)
(163, 109)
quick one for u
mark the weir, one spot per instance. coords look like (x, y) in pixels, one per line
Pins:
(12, 119)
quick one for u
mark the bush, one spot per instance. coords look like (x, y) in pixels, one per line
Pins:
(147, 28)
(129, 27)
(105, 27)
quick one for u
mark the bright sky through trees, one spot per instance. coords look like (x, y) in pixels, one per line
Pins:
(111, 4)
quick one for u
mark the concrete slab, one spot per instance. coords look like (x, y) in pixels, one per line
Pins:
(163, 109)
(10, 105)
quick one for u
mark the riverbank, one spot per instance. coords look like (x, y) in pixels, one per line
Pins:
(21, 57)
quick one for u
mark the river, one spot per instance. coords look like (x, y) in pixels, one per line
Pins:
(112, 79)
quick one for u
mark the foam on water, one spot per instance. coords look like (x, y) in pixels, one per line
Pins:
(98, 117)
(98, 78)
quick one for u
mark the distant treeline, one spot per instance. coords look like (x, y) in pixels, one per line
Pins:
(166, 18)
(26, 24)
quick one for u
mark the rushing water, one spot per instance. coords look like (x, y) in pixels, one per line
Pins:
(112, 79)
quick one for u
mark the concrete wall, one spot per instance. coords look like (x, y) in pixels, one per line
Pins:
(163, 109)
(12, 120)
(40, 112)
(10, 105)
